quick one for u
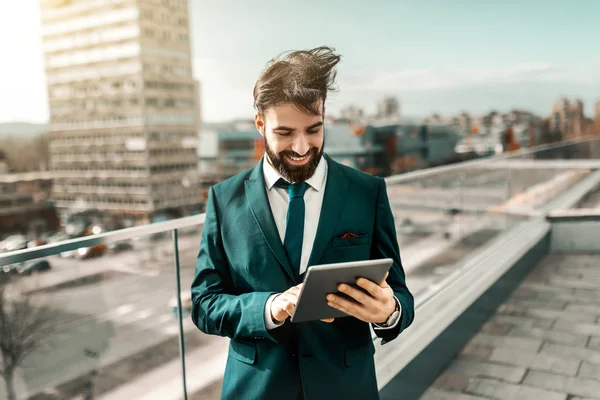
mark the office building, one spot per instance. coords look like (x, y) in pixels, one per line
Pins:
(465, 123)
(568, 118)
(597, 117)
(378, 149)
(3, 163)
(388, 108)
(351, 113)
(123, 106)
(25, 205)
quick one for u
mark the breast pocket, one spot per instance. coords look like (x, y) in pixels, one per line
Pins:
(346, 250)
(351, 241)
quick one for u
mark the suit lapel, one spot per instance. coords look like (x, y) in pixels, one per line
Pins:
(334, 199)
(261, 210)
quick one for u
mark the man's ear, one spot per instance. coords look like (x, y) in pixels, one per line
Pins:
(259, 123)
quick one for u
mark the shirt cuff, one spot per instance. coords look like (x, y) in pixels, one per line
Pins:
(385, 326)
(269, 323)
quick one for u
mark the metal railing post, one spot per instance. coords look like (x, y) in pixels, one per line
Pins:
(179, 311)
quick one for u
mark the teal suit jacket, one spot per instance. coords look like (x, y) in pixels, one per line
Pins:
(242, 262)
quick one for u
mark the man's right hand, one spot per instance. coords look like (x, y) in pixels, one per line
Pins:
(284, 304)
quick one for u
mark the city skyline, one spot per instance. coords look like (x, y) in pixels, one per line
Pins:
(467, 56)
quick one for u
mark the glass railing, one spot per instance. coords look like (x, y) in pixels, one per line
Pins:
(448, 214)
(103, 319)
(100, 314)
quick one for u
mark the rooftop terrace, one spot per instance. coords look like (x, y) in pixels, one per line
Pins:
(542, 343)
(500, 254)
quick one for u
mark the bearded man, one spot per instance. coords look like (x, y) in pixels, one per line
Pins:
(266, 226)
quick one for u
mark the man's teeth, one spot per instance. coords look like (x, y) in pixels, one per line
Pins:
(298, 158)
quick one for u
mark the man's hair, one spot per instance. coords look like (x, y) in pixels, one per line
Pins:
(301, 77)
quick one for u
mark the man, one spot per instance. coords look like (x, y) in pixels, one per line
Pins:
(264, 227)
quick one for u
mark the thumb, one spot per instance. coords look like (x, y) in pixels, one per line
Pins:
(328, 320)
(383, 282)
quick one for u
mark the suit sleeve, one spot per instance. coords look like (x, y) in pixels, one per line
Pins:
(385, 245)
(216, 309)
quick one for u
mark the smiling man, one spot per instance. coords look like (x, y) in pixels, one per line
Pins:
(266, 226)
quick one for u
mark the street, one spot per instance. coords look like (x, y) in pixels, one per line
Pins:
(123, 312)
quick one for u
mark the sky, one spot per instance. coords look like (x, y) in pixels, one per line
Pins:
(433, 55)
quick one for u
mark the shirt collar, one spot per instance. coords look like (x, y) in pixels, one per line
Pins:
(316, 181)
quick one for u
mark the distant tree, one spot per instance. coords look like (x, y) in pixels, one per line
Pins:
(41, 145)
(24, 325)
(26, 154)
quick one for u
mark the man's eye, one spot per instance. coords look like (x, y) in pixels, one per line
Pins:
(313, 131)
(283, 133)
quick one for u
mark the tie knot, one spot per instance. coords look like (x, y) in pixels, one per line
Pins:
(294, 189)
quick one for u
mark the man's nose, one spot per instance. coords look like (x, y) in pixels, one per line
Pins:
(301, 145)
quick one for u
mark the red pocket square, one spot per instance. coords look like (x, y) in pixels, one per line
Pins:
(349, 235)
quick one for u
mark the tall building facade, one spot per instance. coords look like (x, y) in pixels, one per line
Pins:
(123, 106)
(568, 118)
(388, 108)
(24, 206)
(351, 113)
(597, 117)
(465, 123)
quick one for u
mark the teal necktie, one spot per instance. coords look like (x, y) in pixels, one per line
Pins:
(294, 225)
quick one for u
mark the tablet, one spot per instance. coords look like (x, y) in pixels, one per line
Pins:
(321, 280)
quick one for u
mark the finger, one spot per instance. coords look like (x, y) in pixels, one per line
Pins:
(328, 320)
(283, 300)
(383, 283)
(293, 297)
(290, 298)
(279, 312)
(295, 289)
(356, 294)
(371, 287)
(289, 308)
(348, 310)
(385, 277)
(347, 306)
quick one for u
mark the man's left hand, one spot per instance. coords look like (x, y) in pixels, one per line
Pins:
(375, 307)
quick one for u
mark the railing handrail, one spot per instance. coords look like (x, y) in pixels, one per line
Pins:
(101, 238)
(574, 215)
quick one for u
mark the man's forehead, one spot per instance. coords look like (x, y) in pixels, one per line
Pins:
(292, 113)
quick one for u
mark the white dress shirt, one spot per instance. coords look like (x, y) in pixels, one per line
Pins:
(313, 201)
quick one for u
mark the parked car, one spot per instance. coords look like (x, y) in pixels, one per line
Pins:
(119, 246)
(33, 266)
(13, 243)
(9, 269)
(27, 267)
(92, 251)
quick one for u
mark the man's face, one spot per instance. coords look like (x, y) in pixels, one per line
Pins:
(293, 140)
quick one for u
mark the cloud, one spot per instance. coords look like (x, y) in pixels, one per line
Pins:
(227, 87)
(453, 78)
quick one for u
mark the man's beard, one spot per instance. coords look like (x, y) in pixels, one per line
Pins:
(295, 173)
